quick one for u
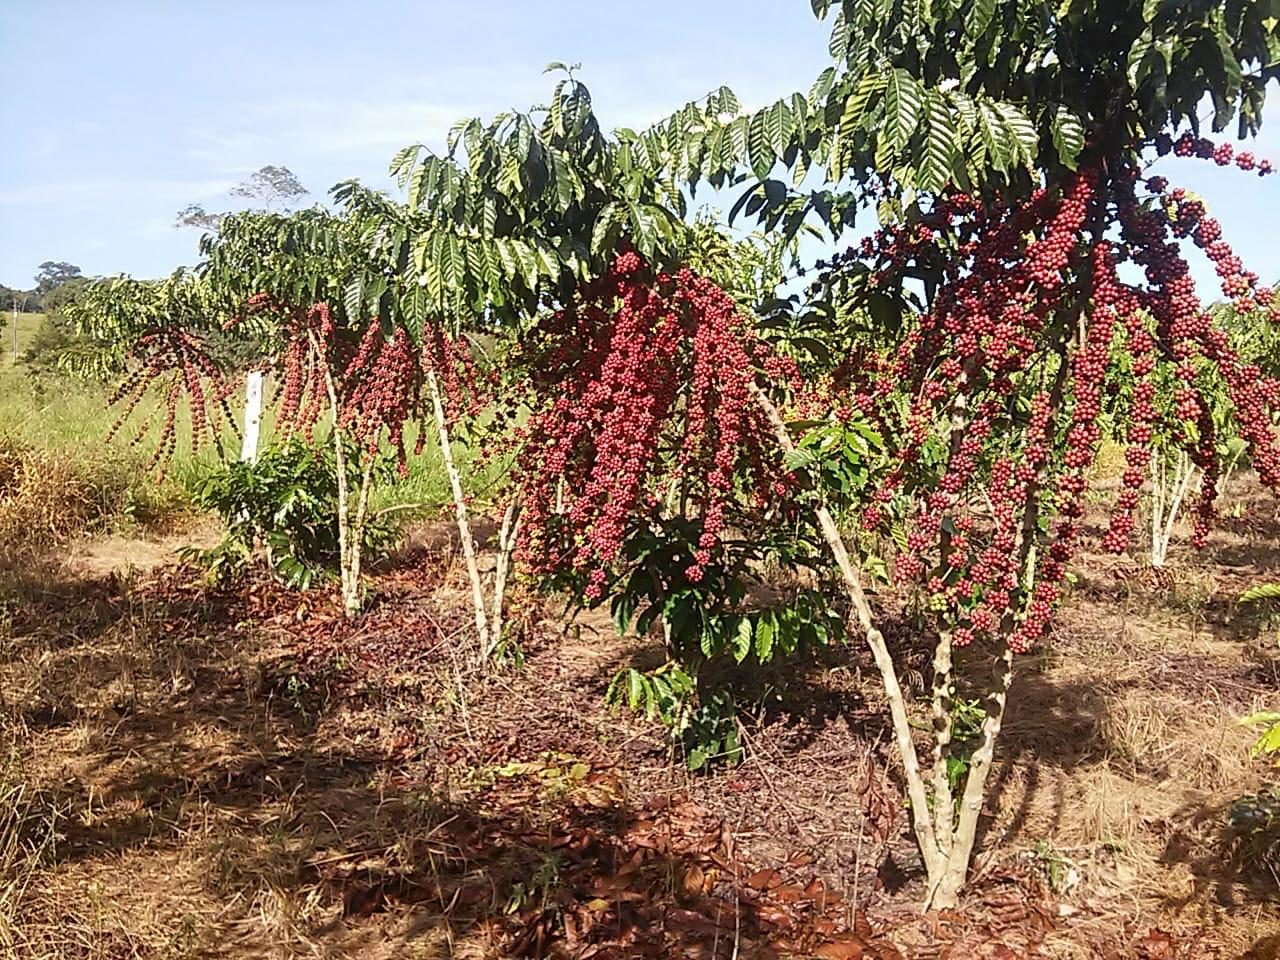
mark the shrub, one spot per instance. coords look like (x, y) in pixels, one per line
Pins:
(52, 338)
(712, 625)
(285, 503)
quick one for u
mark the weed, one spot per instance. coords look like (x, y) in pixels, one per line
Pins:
(540, 889)
(966, 725)
(1253, 824)
(1059, 871)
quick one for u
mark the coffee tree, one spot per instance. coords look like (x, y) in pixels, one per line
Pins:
(269, 280)
(1003, 146)
(154, 335)
(507, 222)
(363, 310)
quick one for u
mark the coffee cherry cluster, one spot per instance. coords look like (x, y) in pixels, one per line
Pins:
(1223, 154)
(992, 403)
(375, 376)
(641, 390)
(1184, 340)
(467, 390)
(302, 395)
(381, 388)
(181, 361)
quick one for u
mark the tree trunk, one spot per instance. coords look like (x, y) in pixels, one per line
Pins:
(921, 821)
(355, 530)
(943, 724)
(350, 587)
(945, 888)
(506, 548)
(1167, 494)
(460, 513)
(943, 659)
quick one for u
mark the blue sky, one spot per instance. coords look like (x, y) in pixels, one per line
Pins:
(116, 115)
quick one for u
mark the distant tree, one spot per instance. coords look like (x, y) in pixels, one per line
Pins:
(269, 188)
(53, 274)
(52, 339)
(63, 295)
(195, 215)
(55, 336)
(11, 299)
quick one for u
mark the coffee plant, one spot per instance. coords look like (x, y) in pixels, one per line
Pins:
(343, 364)
(718, 630)
(649, 478)
(1015, 214)
(286, 503)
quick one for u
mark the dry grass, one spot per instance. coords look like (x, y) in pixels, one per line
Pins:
(44, 499)
(204, 805)
(27, 833)
(51, 498)
(1127, 751)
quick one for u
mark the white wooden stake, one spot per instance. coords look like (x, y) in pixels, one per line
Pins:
(252, 416)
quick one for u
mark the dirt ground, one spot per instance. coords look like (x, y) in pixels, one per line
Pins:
(198, 772)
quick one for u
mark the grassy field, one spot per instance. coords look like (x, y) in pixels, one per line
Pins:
(28, 323)
(72, 419)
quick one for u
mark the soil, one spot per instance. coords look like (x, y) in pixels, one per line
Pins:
(198, 771)
(141, 552)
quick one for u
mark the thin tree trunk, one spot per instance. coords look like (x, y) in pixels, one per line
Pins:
(350, 588)
(920, 818)
(1157, 507)
(943, 661)
(943, 729)
(946, 884)
(460, 512)
(506, 547)
(945, 891)
(356, 547)
(1167, 496)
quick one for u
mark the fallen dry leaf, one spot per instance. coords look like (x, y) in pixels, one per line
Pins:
(764, 879)
(788, 893)
(694, 880)
(1157, 945)
(853, 948)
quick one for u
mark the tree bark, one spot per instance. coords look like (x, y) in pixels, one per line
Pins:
(350, 587)
(921, 820)
(943, 658)
(1167, 494)
(356, 526)
(506, 548)
(945, 890)
(943, 729)
(460, 514)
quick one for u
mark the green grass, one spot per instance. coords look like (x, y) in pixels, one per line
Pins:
(427, 485)
(72, 417)
(28, 323)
